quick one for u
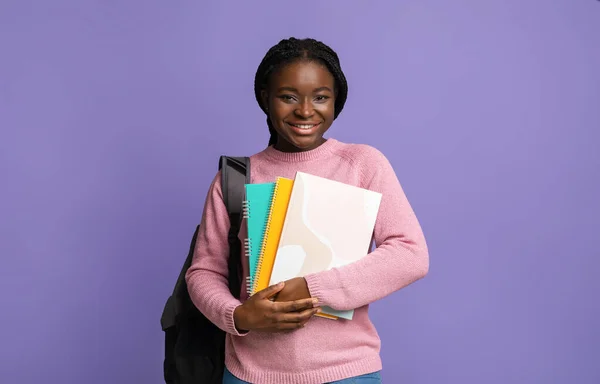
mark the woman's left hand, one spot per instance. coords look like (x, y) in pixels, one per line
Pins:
(294, 289)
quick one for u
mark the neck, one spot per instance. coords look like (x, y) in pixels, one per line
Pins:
(284, 146)
(302, 155)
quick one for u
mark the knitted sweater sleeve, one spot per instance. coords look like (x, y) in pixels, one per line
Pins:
(207, 276)
(401, 255)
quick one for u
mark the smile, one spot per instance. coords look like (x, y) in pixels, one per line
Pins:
(304, 126)
(304, 129)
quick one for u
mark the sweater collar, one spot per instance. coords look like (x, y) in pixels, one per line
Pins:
(294, 157)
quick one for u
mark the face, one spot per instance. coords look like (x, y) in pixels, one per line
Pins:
(301, 102)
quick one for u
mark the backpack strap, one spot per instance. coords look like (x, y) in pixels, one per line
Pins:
(235, 172)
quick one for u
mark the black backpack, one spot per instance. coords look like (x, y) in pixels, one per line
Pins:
(195, 347)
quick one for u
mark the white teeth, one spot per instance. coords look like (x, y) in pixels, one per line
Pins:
(304, 126)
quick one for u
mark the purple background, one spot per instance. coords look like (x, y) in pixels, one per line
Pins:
(113, 114)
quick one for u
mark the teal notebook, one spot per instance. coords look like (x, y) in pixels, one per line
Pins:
(256, 212)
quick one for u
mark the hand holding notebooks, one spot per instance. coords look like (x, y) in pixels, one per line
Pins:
(328, 224)
(272, 234)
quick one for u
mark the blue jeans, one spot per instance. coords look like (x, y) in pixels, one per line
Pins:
(370, 378)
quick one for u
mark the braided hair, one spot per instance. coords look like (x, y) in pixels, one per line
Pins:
(290, 50)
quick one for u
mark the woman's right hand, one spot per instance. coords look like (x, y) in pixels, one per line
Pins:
(260, 313)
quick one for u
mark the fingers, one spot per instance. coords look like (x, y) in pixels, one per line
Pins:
(271, 291)
(292, 321)
(295, 306)
(300, 318)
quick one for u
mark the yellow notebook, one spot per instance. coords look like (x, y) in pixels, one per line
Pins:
(270, 241)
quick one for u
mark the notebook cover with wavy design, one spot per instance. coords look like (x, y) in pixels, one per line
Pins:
(328, 224)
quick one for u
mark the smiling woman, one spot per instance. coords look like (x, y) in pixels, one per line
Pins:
(273, 336)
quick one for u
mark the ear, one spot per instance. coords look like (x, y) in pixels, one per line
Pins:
(264, 95)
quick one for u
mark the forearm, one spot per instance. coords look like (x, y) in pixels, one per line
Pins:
(392, 266)
(400, 258)
(210, 294)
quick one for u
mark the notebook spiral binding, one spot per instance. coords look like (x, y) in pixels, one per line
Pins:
(247, 244)
(246, 209)
(264, 240)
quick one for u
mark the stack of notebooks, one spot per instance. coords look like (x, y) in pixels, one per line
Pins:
(306, 225)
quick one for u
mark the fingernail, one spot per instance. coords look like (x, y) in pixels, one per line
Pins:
(315, 301)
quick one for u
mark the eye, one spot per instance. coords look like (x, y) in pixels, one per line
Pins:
(287, 98)
(321, 98)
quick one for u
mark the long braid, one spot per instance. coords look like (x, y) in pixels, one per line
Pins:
(272, 132)
(292, 49)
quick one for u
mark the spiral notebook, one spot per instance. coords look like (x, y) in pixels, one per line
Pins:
(270, 241)
(256, 208)
(328, 224)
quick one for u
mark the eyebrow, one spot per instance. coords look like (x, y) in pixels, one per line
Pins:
(292, 89)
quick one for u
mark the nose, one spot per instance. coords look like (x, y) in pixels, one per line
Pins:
(305, 109)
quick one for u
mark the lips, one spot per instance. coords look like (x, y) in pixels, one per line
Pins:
(304, 129)
(304, 125)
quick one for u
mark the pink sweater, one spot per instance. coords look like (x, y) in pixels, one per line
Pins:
(325, 350)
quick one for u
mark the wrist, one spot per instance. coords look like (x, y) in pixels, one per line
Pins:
(239, 319)
(306, 287)
(313, 285)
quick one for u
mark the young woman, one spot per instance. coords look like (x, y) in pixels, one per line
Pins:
(301, 88)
